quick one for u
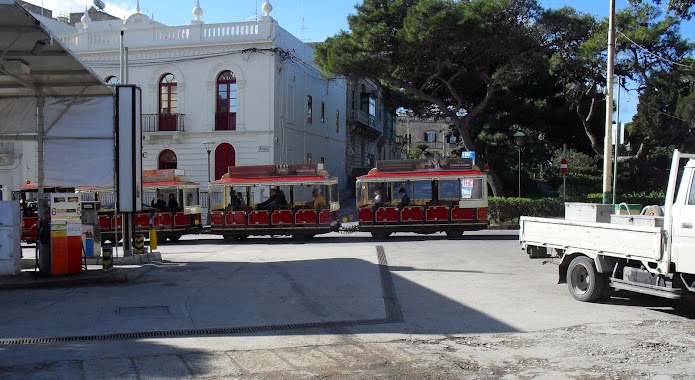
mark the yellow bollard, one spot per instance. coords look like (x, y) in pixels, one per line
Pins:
(139, 244)
(106, 259)
(153, 240)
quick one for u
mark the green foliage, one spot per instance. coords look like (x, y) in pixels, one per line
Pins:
(640, 198)
(506, 210)
(493, 66)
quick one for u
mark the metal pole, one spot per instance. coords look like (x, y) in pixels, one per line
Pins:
(519, 148)
(208, 167)
(617, 142)
(564, 176)
(607, 146)
(209, 213)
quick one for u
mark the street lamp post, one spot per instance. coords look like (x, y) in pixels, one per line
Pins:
(208, 148)
(520, 139)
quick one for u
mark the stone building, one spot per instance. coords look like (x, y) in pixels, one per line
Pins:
(435, 133)
(371, 131)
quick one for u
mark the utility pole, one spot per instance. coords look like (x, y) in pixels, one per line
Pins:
(607, 145)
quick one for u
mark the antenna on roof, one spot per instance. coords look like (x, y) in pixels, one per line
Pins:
(99, 5)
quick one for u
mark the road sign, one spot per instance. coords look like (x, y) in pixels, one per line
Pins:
(468, 154)
(563, 166)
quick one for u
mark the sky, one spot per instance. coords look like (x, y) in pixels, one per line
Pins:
(309, 20)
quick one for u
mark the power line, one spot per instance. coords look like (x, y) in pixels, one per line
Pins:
(658, 110)
(654, 54)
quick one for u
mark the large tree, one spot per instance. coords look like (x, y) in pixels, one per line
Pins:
(451, 56)
(646, 43)
(680, 8)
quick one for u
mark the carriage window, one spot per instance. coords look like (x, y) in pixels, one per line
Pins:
(449, 189)
(472, 188)
(422, 190)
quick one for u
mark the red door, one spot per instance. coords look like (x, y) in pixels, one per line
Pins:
(225, 156)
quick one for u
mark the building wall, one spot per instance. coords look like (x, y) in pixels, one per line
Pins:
(275, 74)
(412, 130)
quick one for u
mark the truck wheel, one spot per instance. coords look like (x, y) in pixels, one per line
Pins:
(584, 282)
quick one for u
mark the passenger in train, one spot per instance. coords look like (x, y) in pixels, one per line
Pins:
(235, 203)
(405, 199)
(377, 201)
(270, 203)
(240, 197)
(282, 200)
(319, 200)
(189, 200)
(173, 203)
(159, 203)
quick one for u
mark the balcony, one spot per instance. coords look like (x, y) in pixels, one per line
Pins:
(225, 121)
(163, 123)
(359, 116)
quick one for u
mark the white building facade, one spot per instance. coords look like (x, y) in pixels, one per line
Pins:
(248, 92)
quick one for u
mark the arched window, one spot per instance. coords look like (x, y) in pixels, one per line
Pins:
(225, 111)
(112, 80)
(225, 156)
(167, 159)
(168, 103)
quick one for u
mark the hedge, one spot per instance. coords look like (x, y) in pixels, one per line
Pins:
(507, 210)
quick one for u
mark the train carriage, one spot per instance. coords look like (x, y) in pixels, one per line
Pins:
(28, 197)
(169, 222)
(446, 195)
(275, 200)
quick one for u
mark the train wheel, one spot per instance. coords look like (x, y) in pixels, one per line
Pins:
(380, 234)
(302, 237)
(454, 233)
(228, 237)
(174, 237)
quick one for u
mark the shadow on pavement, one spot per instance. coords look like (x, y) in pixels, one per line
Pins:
(195, 299)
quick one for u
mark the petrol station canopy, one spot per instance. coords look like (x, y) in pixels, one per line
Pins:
(38, 73)
(34, 62)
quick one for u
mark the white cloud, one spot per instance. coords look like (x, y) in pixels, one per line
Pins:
(119, 8)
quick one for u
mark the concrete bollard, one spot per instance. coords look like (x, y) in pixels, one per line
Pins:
(106, 259)
(139, 244)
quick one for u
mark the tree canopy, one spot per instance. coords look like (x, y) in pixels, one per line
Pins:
(495, 66)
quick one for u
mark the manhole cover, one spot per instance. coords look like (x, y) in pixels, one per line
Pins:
(144, 311)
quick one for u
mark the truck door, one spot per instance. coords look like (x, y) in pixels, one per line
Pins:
(683, 248)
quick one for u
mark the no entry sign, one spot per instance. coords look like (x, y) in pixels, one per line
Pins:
(563, 166)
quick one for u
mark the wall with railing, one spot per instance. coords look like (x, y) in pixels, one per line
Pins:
(156, 35)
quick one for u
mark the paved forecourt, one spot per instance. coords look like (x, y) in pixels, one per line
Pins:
(213, 297)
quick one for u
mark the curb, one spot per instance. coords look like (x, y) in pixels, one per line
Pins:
(30, 263)
(29, 280)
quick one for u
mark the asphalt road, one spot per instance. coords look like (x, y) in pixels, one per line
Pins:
(338, 306)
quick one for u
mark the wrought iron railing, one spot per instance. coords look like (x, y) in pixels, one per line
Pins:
(163, 122)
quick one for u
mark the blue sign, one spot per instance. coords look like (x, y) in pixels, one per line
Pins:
(470, 155)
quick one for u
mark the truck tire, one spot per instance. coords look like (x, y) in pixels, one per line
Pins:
(584, 282)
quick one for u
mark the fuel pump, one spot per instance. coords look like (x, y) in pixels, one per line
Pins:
(91, 231)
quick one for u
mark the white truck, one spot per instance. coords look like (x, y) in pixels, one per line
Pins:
(599, 251)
